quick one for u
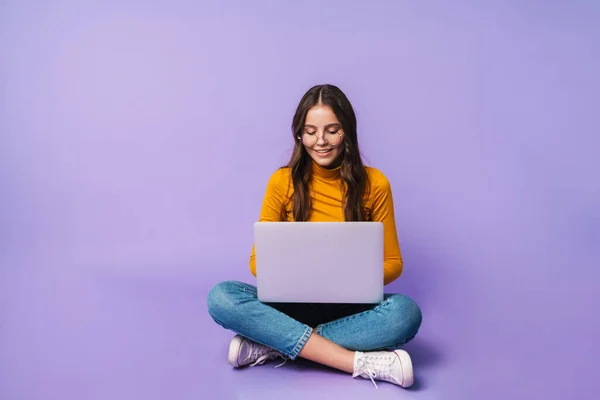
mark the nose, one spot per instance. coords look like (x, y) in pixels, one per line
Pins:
(321, 139)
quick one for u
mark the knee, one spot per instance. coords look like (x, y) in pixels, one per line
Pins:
(405, 317)
(222, 299)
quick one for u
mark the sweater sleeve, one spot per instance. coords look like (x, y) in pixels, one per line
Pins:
(273, 202)
(383, 211)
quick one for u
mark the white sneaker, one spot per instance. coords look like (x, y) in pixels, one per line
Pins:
(390, 366)
(244, 352)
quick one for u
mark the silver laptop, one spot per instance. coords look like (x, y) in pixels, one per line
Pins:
(319, 262)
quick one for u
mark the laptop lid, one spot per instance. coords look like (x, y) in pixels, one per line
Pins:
(319, 262)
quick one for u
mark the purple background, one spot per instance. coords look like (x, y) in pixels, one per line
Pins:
(136, 139)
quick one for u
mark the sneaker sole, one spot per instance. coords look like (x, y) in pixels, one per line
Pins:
(234, 350)
(408, 377)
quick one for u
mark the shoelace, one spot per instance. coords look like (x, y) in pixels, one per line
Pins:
(255, 352)
(378, 367)
(264, 358)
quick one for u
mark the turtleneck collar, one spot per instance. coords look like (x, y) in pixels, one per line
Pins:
(325, 173)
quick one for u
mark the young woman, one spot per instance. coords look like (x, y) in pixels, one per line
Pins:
(325, 180)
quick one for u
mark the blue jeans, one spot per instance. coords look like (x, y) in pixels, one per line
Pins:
(286, 327)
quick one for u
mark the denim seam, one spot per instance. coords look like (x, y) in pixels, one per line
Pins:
(307, 332)
(245, 290)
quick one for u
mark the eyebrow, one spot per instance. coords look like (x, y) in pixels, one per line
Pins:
(336, 124)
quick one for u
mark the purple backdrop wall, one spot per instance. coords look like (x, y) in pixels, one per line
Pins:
(138, 138)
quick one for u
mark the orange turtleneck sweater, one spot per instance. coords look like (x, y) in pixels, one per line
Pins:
(327, 207)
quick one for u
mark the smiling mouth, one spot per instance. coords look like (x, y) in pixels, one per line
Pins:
(323, 152)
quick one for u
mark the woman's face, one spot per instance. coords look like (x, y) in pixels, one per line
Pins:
(322, 136)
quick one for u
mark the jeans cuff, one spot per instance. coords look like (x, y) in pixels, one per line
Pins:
(301, 343)
(319, 330)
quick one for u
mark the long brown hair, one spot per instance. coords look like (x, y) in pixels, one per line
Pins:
(353, 176)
